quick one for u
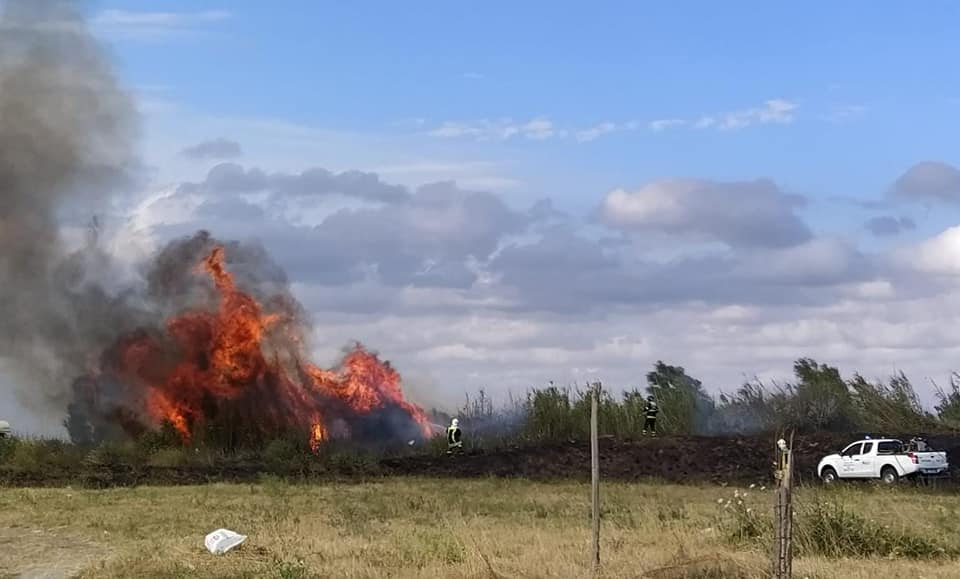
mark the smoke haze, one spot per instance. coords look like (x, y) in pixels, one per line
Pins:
(66, 132)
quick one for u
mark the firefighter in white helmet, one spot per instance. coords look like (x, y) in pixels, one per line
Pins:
(454, 438)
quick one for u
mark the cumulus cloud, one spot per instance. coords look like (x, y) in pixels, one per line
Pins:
(886, 225)
(213, 149)
(929, 181)
(230, 178)
(739, 214)
(430, 237)
(462, 290)
(937, 255)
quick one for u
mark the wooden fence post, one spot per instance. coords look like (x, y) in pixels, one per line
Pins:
(783, 514)
(595, 469)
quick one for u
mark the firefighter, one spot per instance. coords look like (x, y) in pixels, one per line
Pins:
(651, 413)
(454, 440)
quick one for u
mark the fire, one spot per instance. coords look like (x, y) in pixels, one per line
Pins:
(317, 436)
(241, 368)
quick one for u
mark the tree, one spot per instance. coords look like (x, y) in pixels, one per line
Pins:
(948, 410)
(821, 396)
(685, 407)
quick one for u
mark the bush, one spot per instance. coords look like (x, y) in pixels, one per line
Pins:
(170, 458)
(285, 454)
(742, 523)
(352, 463)
(8, 445)
(830, 530)
(45, 454)
(111, 455)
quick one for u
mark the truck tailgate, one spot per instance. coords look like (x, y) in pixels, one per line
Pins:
(931, 461)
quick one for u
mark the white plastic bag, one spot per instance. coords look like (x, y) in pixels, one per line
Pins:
(222, 540)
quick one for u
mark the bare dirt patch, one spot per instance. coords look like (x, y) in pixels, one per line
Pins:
(54, 553)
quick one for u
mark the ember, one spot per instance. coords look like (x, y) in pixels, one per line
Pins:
(237, 371)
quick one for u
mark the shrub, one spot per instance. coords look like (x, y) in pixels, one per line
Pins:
(44, 454)
(116, 454)
(169, 457)
(7, 447)
(741, 522)
(347, 462)
(830, 530)
(284, 454)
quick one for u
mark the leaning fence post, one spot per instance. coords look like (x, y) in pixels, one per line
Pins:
(783, 512)
(595, 475)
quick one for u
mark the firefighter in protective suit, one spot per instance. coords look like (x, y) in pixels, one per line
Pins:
(454, 438)
(651, 412)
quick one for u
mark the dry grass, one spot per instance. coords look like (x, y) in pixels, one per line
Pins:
(425, 528)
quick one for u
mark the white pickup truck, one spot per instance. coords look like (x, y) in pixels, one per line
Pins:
(882, 458)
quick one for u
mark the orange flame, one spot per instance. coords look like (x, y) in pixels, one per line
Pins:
(317, 436)
(218, 357)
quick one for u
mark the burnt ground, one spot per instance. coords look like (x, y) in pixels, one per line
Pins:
(671, 459)
(735, 460)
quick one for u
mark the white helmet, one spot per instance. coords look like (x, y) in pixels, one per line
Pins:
(455, 423)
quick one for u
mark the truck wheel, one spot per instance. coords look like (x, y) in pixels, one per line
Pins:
(889, 475)
(828, 476)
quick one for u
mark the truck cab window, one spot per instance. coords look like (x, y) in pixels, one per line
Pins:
(889, 447)
(853, 449)
(867, 447)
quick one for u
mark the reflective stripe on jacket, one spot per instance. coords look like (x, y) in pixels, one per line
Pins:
(453, 436)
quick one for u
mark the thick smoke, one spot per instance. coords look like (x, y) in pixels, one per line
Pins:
(221, 351)
(66, 132)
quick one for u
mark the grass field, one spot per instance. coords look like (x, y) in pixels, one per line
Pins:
(455, 528)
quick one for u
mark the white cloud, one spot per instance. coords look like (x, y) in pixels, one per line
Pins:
(153, 25)
(167, 19)
(596, 131)
(773, 111)
(662, 124)
(505, 333)
(754, 213)
(938, 255)
(844, 113)
(705, 122)
(499, 130)
(776, 111)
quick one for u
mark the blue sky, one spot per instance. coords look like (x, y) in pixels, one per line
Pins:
(870, 82)
(550, 191)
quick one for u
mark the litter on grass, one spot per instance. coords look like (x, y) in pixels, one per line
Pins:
(222, 540)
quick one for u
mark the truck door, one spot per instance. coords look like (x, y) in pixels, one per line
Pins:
(864, 464)
(847, 463)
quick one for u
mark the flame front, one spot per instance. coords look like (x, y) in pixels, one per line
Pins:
(211, 366)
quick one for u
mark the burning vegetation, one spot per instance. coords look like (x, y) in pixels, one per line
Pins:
(207, 344)
(233, 370)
